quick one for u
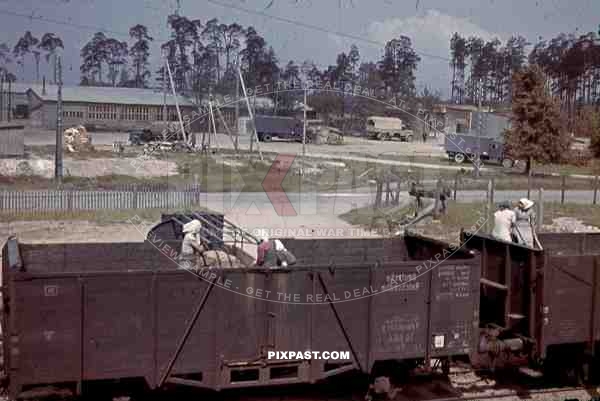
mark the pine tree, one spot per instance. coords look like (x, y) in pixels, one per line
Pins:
(536, 133)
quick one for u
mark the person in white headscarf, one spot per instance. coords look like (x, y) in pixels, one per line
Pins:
(524, 222)
(191, 242)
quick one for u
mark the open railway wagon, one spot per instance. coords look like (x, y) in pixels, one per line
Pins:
(80, 314)
(546, 297)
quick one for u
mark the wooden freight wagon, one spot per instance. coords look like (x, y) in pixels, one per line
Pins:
(548, 297)
(79, 313)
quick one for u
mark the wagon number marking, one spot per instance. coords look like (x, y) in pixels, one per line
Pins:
(50, 290)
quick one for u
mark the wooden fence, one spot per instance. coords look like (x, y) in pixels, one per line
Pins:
(75, 199)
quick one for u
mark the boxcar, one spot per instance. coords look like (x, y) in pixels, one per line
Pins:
(80, 313)
(548, 297)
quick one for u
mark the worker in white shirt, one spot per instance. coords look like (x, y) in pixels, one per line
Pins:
(504, 221)
(191, 242)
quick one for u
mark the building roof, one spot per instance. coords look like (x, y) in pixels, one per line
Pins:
(257, 102)
(442, 108)
(106, 95)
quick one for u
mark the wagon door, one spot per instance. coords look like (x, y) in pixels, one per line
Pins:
(118, 326)
(569, 311)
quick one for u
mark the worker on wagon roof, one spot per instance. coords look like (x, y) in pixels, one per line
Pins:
(504, 221)
(265, 253)
(191, 242)
(524, 222)
(271, 253)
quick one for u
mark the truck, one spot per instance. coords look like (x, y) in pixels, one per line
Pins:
(460, 147)
(388, 128)
(269, 127)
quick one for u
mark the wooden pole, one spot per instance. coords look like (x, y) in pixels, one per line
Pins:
(235, 148)
(529, 184)
(595, 189)
(185, 139)
(250, 114)
(563, 185)
(58, 158)
(237, 114)
(540, 209)
(304, 134)
(455, 185)
(488, 206)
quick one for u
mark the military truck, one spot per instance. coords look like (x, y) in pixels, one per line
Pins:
(388, 128)
(460, 147)
(269, 127)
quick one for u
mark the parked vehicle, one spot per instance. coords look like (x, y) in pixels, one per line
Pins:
(461, 147)
(146, 136)
(142, 136)
(269, 127)
(388, 128)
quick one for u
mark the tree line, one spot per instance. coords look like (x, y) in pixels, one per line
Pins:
(483, 70)
(29, 46)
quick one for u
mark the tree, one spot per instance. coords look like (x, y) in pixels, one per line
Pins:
(97, 53)
(594, 132)
(258, 62)
(116, 58)
(50, 43)
(458, 50)
(184, 34)
(23, 47)
(4, 57)
(231, 44)
(214, 34)
(93, 54)
(139, 53)
(397, 67)
(536, 133)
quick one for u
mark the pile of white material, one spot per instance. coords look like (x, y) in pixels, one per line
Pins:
(77, 139)
(93, 167)
(568, 225)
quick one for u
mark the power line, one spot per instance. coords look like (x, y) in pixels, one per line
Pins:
(317, 28)
(53, 21)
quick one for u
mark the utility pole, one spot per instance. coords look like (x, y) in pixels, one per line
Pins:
(9, 99)
(251, 115)
(304, 134)
(2, 95)
(237, 114)
(164, 108)
(58, 158)
(479, 129)
(185, 139)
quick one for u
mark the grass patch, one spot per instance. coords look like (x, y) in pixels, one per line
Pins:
(97, 216)
(468, 216)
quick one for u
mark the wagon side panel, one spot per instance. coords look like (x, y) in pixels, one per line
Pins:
(178, 295)
(568, 299)
(340, 314)
(455, 308)
(399, 313)
(118, 326)
(45, 335)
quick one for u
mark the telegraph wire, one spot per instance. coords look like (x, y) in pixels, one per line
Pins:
(318, 28)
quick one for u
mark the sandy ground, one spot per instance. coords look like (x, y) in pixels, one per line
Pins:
(90, 168)
(353, 145)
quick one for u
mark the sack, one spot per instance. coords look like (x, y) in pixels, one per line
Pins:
(285, 256)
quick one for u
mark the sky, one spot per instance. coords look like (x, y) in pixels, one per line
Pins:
(369, 23)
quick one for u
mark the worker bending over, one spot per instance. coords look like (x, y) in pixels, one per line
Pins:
(272, 253)
(504, 221)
